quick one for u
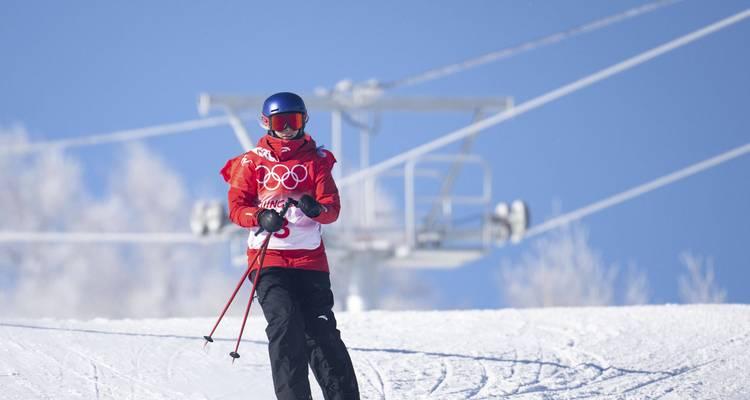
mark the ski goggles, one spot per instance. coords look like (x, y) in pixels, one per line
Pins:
(278, 122)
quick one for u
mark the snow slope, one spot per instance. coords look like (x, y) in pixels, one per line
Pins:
(665, 352)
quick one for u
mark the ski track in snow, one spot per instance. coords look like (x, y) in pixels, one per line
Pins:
(658, 352)
(443, 375)
(482, 384)
(380, 387)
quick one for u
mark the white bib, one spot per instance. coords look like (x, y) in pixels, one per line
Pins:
(299, 233)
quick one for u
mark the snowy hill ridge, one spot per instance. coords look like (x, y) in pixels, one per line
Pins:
(648, 352)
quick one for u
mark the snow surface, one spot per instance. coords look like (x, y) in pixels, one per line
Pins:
(665, 352)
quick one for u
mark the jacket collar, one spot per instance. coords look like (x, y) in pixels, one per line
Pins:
(284, 149)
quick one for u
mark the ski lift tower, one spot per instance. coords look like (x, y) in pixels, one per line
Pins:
(424, 240)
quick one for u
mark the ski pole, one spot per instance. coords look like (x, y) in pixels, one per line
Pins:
(235, 355)
(209, 337)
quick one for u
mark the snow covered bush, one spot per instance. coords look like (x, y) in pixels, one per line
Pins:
(562, 270)
(699, 286)
(637, 290)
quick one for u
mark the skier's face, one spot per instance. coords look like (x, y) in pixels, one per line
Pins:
(287, 133)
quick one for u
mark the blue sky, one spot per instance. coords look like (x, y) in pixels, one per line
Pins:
(71, 69)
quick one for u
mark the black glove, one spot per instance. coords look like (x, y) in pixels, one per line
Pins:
(309, 206)
(270, 220)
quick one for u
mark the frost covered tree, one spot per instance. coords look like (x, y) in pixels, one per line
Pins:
(637, 290)
(166, 280)
(45, 192)
(699, 285)
(561, 270)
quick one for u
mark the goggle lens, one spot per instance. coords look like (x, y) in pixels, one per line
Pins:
(281, 121)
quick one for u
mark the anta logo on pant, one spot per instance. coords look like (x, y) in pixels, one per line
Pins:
(281, 175)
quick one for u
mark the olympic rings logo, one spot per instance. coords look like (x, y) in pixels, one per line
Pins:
(281, 175)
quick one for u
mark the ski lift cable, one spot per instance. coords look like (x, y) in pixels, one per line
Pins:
(541, 100)
(117, 136)
(508, 52)
(639, 190)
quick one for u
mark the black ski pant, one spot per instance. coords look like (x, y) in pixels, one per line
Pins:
(297, 305)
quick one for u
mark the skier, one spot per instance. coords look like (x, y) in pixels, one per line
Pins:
(294, 290)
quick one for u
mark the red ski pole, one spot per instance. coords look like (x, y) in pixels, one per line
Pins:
(234, 354)
(209, 338)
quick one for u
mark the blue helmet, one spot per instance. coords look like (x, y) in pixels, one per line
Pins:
(283, 102)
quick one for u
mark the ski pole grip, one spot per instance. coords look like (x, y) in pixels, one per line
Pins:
(289, 202)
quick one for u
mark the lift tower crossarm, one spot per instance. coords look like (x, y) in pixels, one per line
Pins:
(333, 103)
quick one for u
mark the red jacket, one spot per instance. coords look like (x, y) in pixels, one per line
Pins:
(265, 177)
